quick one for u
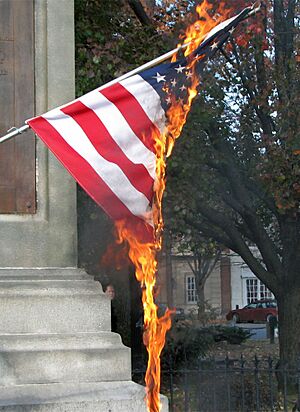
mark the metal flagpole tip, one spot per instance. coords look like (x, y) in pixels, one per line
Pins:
(256, 7)
(18, 130)
(13, 131)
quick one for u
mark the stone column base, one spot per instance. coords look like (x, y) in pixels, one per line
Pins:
(123, 396)
(57, 353)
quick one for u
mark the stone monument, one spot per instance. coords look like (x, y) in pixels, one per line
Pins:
(57, 352)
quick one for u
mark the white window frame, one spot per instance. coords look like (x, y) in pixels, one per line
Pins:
(252, 289)
(262, 292)
(190, 289)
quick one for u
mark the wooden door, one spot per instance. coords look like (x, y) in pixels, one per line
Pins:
(17, 156)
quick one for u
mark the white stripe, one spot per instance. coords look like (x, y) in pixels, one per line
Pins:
(109, 172)
(120, 131)
(148, 98)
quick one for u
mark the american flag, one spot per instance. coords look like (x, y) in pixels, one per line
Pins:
(105, 138)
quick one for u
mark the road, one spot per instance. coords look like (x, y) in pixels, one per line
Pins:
(258, 330)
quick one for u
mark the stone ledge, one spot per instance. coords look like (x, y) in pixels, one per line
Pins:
(58, 341)
(54, 313)
(53, 358)
(124, 396)
(50, 288)
(44, 272)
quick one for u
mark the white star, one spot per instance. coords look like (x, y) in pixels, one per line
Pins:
(173, 82)
(179, 69)
(168, 100)
(182, 88)
(159, 78)
(231, 30)
(189, 75)
(214, 46)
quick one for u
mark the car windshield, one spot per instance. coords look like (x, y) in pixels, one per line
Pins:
(250, 306)
(261, 305)
(271, 305)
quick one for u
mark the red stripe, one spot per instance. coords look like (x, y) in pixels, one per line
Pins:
(106, 146)
(85, 175)
(134, 114)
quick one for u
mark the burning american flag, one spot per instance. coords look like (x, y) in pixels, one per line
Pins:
(107, 139)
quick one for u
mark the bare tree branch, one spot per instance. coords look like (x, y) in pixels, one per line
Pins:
(237, 243)
(140, 12)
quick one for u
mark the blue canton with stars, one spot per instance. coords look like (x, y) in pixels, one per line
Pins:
(172, 80)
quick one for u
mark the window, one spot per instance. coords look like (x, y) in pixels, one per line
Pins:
(191, 295)
(251, 285)
(256, 290)
(265, 293)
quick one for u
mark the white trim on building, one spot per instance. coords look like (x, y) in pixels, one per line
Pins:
(245, 286)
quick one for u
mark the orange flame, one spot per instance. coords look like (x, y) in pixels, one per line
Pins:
(143, 255)
(197, 31)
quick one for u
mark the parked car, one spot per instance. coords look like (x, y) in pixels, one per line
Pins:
(259, 311)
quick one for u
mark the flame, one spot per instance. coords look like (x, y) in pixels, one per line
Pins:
(115, 257)
(196, 32)
(194, 36)
(143, 255)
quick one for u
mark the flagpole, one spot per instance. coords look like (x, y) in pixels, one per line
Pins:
(148, 65)
(14, 131)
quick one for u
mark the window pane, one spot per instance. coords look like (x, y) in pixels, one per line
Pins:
(251, 285)
(265, 293)
(191, 296)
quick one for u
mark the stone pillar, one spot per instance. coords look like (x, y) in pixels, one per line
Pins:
(56, 348)
(47, 238)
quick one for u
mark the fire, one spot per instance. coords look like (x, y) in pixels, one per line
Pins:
(197, 31)
(143, 255)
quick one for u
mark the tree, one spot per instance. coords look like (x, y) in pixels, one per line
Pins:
(112, 39)
(235, 173)
(140, 11)
(202, 260)
(199, 253)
